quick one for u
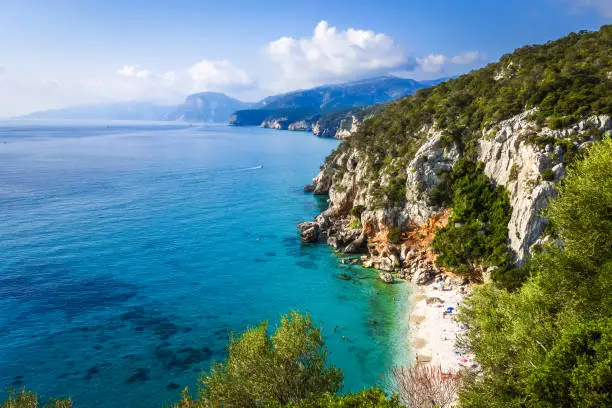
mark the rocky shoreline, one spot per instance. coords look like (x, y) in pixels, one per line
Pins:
(396, 240)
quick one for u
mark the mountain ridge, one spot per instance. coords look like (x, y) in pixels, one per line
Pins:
(332, 110)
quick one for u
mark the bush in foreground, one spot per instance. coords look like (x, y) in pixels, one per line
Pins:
(286, 367)
(549, 344)
(28, 399)
(425, 386)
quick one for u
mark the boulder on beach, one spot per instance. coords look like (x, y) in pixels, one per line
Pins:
(423, 276)
(386, 277)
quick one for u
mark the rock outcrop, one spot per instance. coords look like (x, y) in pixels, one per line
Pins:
(340, 127)
(386, 277)
(528, 171)
(309, 231)
(512, 157)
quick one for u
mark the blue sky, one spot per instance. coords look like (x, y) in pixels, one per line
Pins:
(68, 52)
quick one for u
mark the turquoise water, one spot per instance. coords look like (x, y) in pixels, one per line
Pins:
(128, 252)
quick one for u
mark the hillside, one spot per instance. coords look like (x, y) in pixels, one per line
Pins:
(495, 187)
(326, 109)
(329, 98)
(524, 119)
(454, 185)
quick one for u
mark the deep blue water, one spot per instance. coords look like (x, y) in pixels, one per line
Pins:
(128, 252)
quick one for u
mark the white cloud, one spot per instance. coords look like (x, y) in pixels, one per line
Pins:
(332, 54)
(204, 75)
(31, 91)
(432, 63)
(134, 71)
(469, 57)
(135, 82)
(603, 7)
(214, 74)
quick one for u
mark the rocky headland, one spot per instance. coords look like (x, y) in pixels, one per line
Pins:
(448, 189)
(527, 170)
(396, 239)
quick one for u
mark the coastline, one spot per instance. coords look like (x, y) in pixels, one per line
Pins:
(432, 331)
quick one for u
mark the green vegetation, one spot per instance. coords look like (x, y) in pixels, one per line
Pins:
(285, 116)
(548, 175)
(566, 80)
(283, 368)
(336, 119)
(355, 223)
(477, 231)
(28, 399)
(543, 333)
(369, 398)
(549, 343)
(394, 235)
(357, 210)
(514, 172)
(355, 214)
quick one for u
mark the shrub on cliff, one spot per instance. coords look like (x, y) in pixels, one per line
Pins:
(394, 235)
(477, 231)
(548, 344)
(286, 367)
(566, 80)
(28, 399)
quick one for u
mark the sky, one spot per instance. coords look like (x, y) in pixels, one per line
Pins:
(63, 53)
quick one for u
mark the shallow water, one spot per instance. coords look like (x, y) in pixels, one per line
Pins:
(128, 252)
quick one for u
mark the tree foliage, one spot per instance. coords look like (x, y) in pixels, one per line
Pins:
(368, 398)
(566, 80)
(286, 367)
(549, 344)
(28, 399)
(477, 231)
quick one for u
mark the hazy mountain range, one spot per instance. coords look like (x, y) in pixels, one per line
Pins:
(218, 107)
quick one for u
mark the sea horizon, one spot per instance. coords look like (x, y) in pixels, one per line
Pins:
(130, 251)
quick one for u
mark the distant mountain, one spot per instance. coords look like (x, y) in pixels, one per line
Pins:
(325, 109)
(328, 98)
(200, 107)
(334, 107)
(207, 107)
(112, 111)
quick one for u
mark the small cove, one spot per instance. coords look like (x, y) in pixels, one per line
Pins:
(129, 252)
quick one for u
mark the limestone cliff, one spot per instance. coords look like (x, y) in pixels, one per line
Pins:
(339, 125)
(478, 152)
(510, 157)
(529, 171)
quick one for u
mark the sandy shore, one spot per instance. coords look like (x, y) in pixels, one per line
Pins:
(433, 332)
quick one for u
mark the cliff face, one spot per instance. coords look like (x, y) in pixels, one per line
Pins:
(510, 157)
(477, 156)
(529, 171)
(339, 125)
(330, 110)
(339, 128)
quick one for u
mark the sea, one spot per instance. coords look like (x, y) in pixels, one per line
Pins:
(130, 251)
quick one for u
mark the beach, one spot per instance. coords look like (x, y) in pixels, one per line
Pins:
(433, 327)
